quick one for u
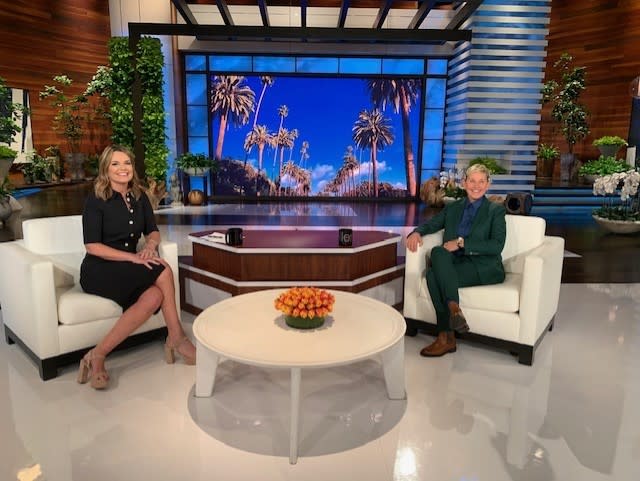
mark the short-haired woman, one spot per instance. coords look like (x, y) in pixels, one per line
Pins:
(115, 215)
(474, 236)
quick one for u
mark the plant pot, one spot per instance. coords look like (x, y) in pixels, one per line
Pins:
(618, 226)
(76, 165)
(5, 165)
(609, 150)
(5, 208)
(303, 322)
(546, 170)
(196, 170)
(567, 161)
(590, 178)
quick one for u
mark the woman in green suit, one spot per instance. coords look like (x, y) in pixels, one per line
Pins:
(474, 235)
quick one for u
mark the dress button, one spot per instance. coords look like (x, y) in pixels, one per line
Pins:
(131, 211)
(130, 222)
(126, 244)
(131, 235)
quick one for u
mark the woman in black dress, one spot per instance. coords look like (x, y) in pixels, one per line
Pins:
(116, 214)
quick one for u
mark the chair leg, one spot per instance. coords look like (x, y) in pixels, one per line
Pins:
(8, 338)
(412, 330)
(48, 369)
(526, 356)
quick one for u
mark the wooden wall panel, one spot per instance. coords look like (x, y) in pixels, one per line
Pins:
(43, 38)
(604, 36)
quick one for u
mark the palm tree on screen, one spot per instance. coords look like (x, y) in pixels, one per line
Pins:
(231, 100)
(373, 131)
(304, 155)
(267, 81)
(402, 94)
(260, 137)
(283, 112)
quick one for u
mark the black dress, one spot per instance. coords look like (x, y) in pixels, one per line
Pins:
(112, 223)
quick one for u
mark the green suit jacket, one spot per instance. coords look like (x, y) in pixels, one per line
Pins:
(484, 243)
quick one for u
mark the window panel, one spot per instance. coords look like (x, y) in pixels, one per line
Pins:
(436, 92)
(199, 145)
(317, 64)
(431, 154)
(230, 63)
(437, 66)
(197, 121)
(274, 64)
(409, 66)
(195, 62)
(433, 124)
(361, 65)
(196, 89)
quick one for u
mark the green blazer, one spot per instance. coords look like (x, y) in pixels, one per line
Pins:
(484, 243)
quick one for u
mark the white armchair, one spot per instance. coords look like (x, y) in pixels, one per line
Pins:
(513, 315)
(43, 306)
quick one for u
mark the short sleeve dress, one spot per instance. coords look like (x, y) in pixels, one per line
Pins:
(112, 223)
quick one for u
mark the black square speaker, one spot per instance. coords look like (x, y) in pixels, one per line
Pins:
(519, 203)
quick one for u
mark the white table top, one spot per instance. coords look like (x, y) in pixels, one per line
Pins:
(249, 329)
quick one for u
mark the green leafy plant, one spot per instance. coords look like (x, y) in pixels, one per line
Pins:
(490, 163)
(564, 94)
(70, 118)
(9, 115)
(194, 161)
(547, 153)
(454, 191)
(5, 189)
(603, 166)
(610, 140)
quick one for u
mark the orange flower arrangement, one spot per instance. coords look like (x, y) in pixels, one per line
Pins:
(305, 302)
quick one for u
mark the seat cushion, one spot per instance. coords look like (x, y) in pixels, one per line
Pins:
(504, 297)
(77, 307)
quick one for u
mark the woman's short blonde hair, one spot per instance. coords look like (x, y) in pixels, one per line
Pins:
(102, 184)
(478, 168)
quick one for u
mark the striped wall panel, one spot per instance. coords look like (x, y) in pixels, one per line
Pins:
(493, 93)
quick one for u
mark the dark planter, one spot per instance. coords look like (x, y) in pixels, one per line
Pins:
(567, 162)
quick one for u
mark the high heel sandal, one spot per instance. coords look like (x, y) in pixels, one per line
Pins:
(100, 379)
(171, 350)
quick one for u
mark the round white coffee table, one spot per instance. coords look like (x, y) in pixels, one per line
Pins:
(248, 329)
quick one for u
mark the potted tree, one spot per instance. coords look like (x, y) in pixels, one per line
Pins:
(9, 114)
(195, 164)
(490, 163)
(547, 154)
(69, 120)
(572, 116)
(609, 145)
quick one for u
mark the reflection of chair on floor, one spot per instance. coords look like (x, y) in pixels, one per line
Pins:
(513, 315)
(43, 306)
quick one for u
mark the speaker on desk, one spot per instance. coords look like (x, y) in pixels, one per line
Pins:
(519, 203)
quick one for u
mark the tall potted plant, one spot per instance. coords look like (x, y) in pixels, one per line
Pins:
(547, 154)
(9, 114)
(609, 145)
(564, 94)
(69, 120)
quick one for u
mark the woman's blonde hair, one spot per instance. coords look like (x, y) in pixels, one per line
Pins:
(478, 168)
(102, 184)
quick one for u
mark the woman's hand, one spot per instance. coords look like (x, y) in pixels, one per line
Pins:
(148, 253)
(146, 261)
(413, 241)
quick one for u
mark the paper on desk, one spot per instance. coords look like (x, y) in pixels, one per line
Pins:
(215, 237)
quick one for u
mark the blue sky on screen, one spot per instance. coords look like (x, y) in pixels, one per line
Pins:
(323, 110)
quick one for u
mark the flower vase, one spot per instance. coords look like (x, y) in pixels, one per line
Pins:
(304, 322)
(618, 226)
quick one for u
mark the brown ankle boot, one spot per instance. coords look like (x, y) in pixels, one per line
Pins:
(445, 342)
(457, 320)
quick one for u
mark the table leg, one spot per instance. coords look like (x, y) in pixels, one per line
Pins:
(206, 365)
(295, 415)
(393, 367)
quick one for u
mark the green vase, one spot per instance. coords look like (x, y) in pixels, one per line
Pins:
(304, 322)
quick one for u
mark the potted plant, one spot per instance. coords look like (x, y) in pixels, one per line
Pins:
(9, 114)
(547, 154)
(609, 145)
(69, 120)
(5, 202)
(195, 164)
(619, 217)
(572, 116)
(490, 163)
(602, 166)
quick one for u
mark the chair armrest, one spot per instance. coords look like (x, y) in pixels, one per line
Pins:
(168, 250)
(540, 289)
(28, 298)
(414, 271)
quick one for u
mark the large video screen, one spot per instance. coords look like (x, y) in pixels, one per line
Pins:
(315, 136)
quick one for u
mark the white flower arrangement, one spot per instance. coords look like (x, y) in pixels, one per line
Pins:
(608, 185)
(451, 181)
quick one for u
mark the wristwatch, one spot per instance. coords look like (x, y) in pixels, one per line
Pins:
(460, 242)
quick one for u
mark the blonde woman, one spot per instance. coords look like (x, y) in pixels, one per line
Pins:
(115, 215)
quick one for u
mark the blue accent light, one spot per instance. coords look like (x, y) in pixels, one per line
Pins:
(403, 66)
(317, 64)
(436, 90)
(231, 63)
(199, 145)
(431, 154)
(433, 123)
(361, 65)
(195, 62)
(437, 66)
(274, 64)
(196, 85)
(197, 120)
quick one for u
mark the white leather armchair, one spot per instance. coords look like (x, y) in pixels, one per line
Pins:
(513, 315)
(43, 306)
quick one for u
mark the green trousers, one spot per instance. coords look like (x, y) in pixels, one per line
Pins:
(446, 274)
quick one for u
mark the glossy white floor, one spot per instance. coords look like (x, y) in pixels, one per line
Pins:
(474, 415)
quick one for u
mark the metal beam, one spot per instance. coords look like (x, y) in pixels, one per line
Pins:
(223, 8)
(303, 13)
(382, 14)
(262, 4)
(421, 14)
(224, 32)
(344, 8)
(463, 14)
(185, 11)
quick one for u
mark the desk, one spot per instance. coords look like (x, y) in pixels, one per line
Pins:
(248, 329)
(283, 258)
